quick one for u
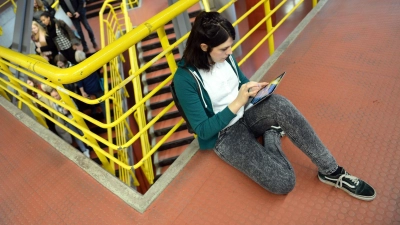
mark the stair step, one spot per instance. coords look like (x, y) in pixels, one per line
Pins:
(93, 7)
(169, 29)
(163, 131)
(171, 38)
(167, 157)
(169, 26)
(160, 171)
(177, 139)
(162, 63)
(149, 55)
(156, 77)
(166, 123)
(156, 74)
(170, 114)
(160, 99)
(151, 52)
(181, 142)
(176, 136)
(160, 104)
(163, 90)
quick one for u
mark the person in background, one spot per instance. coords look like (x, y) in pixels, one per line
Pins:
(75, 10)
(213, 93)
(44, 44)
(90, 86)
(39, 7)
(61, 34)
(65, 112)
(52, 126)
(35, 84)
(62, 62)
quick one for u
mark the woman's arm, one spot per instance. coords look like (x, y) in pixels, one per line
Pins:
(50, 45)
(204, 124)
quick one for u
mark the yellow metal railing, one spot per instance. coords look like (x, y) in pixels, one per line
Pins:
(12, 2)
(108, 58)
(267, 20)
(133, 3)
(111, 27)
(55, 4)
(15, 11)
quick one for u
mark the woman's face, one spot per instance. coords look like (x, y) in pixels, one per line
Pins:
(29, 82)
(45, 20)
(35, 29)
(55, 95)
(222, 51)
(60, 64)
(34, 3)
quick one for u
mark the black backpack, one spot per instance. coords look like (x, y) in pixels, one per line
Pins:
(178, 105)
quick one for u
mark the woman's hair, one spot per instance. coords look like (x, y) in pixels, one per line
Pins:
(40, 6)
(79, 56)
(35, 37)
(46, 14)
(211, 29)
(61, 58)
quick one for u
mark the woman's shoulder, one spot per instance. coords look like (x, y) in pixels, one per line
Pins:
(181, 74)
(60, 22)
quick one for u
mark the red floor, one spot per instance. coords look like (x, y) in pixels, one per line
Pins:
(343, 73)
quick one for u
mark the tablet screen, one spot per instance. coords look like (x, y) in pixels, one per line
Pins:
(267, 90)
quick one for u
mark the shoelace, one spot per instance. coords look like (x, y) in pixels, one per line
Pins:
(339, 182)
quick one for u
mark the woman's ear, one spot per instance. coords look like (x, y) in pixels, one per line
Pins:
(203, 47)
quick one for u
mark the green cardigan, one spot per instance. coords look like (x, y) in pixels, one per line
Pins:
(197, 104)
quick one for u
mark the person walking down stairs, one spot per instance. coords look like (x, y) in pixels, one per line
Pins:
(82, 147)
(76, 11)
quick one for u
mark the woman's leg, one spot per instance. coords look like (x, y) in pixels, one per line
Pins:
(278, 110)
(269, 168)
(69, 54)
(80, 144)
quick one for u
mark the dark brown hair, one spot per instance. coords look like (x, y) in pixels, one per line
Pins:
(211, 29)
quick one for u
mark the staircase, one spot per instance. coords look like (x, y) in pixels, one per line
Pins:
(148, 48)
(93, 7)
(98, 115)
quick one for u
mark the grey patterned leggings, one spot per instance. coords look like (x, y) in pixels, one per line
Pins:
(267, 165)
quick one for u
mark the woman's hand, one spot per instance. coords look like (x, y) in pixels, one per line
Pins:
(246, 90)
(257, 88)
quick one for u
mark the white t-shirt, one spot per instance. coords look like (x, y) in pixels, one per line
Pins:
(221, 84)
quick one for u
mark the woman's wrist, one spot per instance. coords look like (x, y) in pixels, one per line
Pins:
(235, 106)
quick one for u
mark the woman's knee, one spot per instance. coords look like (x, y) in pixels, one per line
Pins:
(280, 100)
(283, 185)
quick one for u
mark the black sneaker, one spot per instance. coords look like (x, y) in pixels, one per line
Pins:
(279, 130)
(350, 184)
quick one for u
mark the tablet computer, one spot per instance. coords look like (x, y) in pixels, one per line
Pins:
(266, 91)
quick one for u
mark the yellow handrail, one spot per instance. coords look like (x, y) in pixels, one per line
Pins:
(55, 4)
(314, 3)
(12, 2)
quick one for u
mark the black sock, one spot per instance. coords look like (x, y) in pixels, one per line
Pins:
(338, 170)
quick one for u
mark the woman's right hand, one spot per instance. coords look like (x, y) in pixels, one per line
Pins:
(246, 90)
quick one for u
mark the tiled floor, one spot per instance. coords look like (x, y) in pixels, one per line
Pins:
(343, 73)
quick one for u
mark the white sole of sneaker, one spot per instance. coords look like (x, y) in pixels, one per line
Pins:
(365, 198)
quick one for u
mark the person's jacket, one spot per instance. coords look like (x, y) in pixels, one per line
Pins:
(66, 30)
(197, 106)
(76, 4)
